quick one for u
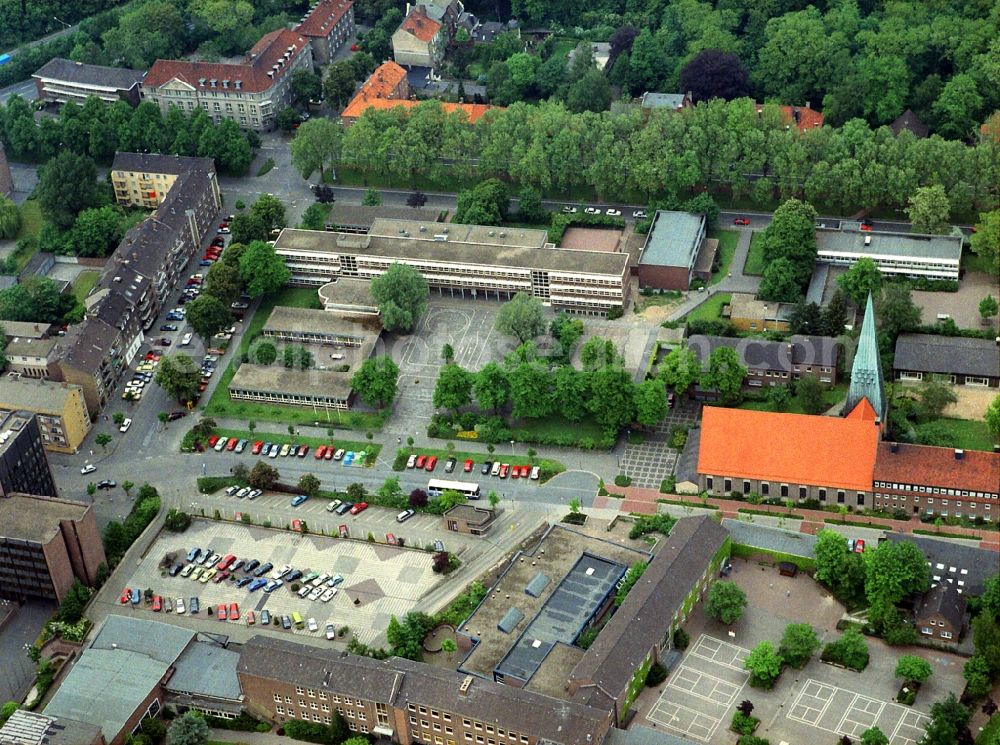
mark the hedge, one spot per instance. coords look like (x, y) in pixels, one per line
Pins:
(743, 551)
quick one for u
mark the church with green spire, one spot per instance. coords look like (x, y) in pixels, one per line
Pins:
(867, 383)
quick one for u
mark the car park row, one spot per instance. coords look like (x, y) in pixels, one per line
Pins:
(489, 468)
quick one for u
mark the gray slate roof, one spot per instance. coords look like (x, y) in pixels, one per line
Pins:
(954, 562)
(687, 464)
(69, 71)
(947, 355)
(642, 619)
(158, 163)
(946, 600)
(639, 735)
(206, 669)
(673, 239)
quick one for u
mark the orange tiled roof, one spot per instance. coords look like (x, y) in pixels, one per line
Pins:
(808, 118)
(991, 127)
(252, 74)
(324, 17)
(924, 465)
(420, 25)
(788, 448)
(378, 91)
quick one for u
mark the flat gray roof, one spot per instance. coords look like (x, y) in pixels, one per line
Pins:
(849, 240)
(662, 100)
(349, 292)
(31, 518)
(481, 235)
(673, 239)
(30, 347)
(206, 669)
(421, 250)
(362, 216)
(564, 614)
(32, 394)
(307, 320)
(280, 379)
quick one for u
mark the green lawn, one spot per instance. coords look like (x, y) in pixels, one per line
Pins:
(755, 259)
(969, 434)
(991, 732)
(727, 248)
(711, 309)
(220, 405)
(31, 219)
(830, 397)
(84, 283)
(555, 425)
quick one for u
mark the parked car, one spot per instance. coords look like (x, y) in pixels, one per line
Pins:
(468, 466)
(263, 569)
(421, 461)
(449, 465)
(89, 468)
(234, 612)
(296, 501)
(344, 508)
(534, 473)
(335, 580)
(331, 633)
(265, 617)
(359, 508)
(431, 463)
(405, 515)
(168, 327)
(286, 623)
(504, 468)
(125, 596)
(157, 603)
(614, 213)
(251, 565)
(411, 461)
(320, 452)
(592, 211)
(640, 214)
(339, 454)
(194, 605)
(333, 505)
(741, 221)
(179, 605)
(255, 584)
(487, 467)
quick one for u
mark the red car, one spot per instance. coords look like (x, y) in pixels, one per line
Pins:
(741, 221)
(223, 224)
(421, 461)
(231, 445)
(212, 440)
(221, 576)
(354, 47)
(359, 507)
(431, 462)
(515, 471)
(329, 453)
(157, 603)
(226, 561)
(320, 452)
(234, 612)
(468, 465)
(221, 614)
(866, 226)
(257, 447)
(303, 450)
(126, 595)
(504, 467)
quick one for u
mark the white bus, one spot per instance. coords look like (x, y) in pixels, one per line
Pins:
(435, 487)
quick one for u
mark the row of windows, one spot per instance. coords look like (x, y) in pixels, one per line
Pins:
(935, 490)
(329, 403)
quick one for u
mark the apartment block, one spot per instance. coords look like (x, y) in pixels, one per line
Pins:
(327, 25)
(896, 254)
(60, 80)
(771, 363)
(23, 466)
(937, 482)
(29, 357)
(145, 179)
(94, 356)
(45, 545)
(474, 261)
(406, 701)
(250, 92)
(61, 410)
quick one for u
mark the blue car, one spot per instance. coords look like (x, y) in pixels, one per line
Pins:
(255, 584)
(205, 262)
(348, 457)
(193, 554)
(244, 581)
(296, 501)
(136, 595)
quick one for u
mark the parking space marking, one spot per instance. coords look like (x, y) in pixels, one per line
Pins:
(672, 716)
(857, 719)
(814, 698)
(914, 728)
(704, 686)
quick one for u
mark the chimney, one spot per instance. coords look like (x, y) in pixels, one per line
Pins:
(959, 454)
(894, 447)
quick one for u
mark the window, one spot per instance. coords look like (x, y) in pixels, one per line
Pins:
(708, 483)
(822, 495)
(728, 485)
(765, 488)
(946, 635)
(840, 496)
(299, 690)
(803, 492)
(746, 487)
(861, 498)
(310, 693)
(784, 490)
(277, 698)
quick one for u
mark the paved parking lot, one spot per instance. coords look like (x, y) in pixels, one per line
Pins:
(380, 580)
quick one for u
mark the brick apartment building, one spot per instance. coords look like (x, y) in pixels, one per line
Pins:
(327, 26)
(420, 40)
(940, 614)
(45, 545)
(771, 363)
(142, 271)
(406, 701)
(251, 92)
(475, 261)
(938, 482)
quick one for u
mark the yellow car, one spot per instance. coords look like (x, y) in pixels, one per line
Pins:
(196, 573)
(207, 575)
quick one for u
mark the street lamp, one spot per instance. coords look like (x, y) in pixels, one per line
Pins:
(54, 18)
(511, 447)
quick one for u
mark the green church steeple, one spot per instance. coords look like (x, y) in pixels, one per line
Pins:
(866, 372)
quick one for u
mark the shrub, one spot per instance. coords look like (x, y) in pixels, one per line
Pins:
(243, 723)
(632, 576)
(177, 521)
(753, 740)
(587, 637)
(681, 639)
(623, 480)
(742, 724)
(652, 524)
(656, 675)
(850, 650)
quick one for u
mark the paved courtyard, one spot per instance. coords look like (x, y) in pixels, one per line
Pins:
(380, 580)
(650, 462)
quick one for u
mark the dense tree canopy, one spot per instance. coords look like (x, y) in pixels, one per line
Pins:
(401, 293)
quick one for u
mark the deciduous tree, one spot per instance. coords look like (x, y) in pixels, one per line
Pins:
(913, 669)
(726, 602)
(725, 374)
(316, 146)
(929, 210)
(262, 476)
(798, 643)
(376, 381)
(650, 402)
(67, 185)
(263, 272)
(763, 664)
(521, 317)
(715, 74)
(679, 370)
(491, 387)
(188, 729)
(208, 315)
(862, 278)
(986, 240)
(454, 388)
(401, 293)
(178, 376)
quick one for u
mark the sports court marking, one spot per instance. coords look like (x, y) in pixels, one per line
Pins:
(862, 712)
(684, 720)
(704, 686)
(720, 652)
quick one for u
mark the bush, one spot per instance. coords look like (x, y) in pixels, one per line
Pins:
(177, 521)
(587, 637)
(656, 675)
(742, 724)
(623, 480)
(652, 524)
(243, 723)
(850, 650)
(753, 740)
(681, 639)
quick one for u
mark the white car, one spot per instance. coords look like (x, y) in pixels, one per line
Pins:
(614, 213)
(126, 423)
(314, 593)
(221, 444)
(304, 591)
(333, 505)
(640, 214)
(89, 468)
(331, 633)
(243, 492)
(534, 473)
(592, 211)
(186, 339)
(569, 210)
(186, 571)
(277, 573)
(255, 493)
(232, 490)
(179, 605)
(313, 626)
(411, 461)
(496, 469)
(320, 580)
(328, 595)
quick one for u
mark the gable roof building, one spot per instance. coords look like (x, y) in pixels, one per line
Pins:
(63, 80)
(940, 613)
(802, 118)
(866, 370)
(327, 26)
(958, 564)
(802, 456)
(964, 361)
(910, 122)
(250, 92)
(771, 363)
